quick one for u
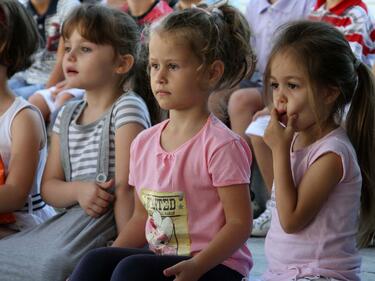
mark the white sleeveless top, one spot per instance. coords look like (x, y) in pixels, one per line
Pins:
(35, 210)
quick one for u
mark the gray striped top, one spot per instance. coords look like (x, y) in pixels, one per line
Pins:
(84, 139)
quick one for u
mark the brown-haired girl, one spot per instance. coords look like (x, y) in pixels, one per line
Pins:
(190, 172)
(88, 161)
(324, 191)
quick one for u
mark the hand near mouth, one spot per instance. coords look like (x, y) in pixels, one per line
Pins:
(280, 130)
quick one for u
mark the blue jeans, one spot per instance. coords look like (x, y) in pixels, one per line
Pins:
(21, 88)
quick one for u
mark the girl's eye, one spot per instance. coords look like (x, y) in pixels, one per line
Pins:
(172, 66)
(292, 86)
(85, 49)
(274, 85)
(67, 49)
(154, 66)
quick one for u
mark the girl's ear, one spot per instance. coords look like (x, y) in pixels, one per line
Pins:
(331, 94)
(216, 71)
(125, 63)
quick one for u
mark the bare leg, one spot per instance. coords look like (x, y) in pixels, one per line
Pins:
(243, 104)
(62, 98)
(40, 103)
(218, 104)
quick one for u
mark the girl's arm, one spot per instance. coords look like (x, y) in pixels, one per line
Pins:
(132, 235)
(124, 203)
(238, 217)
(27, 137)
(92, 197)
(57, 74)
(297, 206)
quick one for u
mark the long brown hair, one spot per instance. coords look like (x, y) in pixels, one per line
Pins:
(329, 62)
(104, 25)
(19, 37)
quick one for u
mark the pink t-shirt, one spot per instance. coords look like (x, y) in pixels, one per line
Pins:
(327, 246)
(179, 188)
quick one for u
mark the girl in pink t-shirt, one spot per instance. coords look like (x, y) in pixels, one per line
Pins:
(190, 172)
(323, 192)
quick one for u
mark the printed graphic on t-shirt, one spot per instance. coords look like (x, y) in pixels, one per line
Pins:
(166, 228)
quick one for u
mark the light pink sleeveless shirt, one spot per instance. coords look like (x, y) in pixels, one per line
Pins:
(327, 246)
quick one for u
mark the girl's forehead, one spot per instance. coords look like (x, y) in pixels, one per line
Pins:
(287, 61)
(160, 42)
(167, 37)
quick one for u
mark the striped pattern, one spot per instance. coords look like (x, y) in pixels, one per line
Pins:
(84, 139)
(352, 19)
(37, 204)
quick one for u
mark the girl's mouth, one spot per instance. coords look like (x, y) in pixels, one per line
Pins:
(283, 118)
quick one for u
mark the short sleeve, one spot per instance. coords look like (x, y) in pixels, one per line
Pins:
(129, 109)
(230, 164)
(340, 149)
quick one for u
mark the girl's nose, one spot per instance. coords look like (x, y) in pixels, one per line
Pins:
(280, 101)
(161, 77)
(71, 56)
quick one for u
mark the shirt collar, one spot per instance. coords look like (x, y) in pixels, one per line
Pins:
(341, 7)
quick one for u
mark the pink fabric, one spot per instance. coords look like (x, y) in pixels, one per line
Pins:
(159, 9)
(327, 246)
(179, 188)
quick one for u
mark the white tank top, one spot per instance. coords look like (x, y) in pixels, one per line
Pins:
(34, 203)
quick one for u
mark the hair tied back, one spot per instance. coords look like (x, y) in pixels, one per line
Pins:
(356, 63)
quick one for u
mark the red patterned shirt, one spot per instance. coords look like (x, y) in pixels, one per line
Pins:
(351, 17)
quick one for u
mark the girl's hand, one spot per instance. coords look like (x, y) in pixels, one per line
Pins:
(186, 270)
(277, 136)
(58, 88)
(94, 197)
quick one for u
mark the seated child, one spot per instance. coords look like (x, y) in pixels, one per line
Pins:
(23, 141)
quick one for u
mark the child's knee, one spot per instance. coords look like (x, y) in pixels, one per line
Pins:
(244, 99)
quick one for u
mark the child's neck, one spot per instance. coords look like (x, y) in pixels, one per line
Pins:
(332, 3)
(98, 102)
(313, 134)
(182, 126)
(41, 6)
(139, 7)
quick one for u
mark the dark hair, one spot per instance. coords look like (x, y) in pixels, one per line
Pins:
(329, 63)
(19, 37)
(103, 25)
(215, 33)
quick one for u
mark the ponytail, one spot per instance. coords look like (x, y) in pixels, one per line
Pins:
(361, 131)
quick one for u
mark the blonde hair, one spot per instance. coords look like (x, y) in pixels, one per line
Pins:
(215, 33)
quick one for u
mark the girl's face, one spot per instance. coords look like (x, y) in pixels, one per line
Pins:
(88, 65)
(175, 79)
(290, 91)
